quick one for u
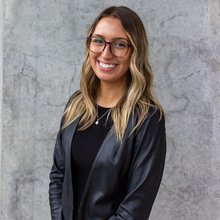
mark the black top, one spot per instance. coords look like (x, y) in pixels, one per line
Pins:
(85, 146)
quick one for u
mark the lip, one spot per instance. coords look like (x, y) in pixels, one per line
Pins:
(107, 70)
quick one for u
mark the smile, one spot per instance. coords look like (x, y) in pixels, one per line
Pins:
(106, 66)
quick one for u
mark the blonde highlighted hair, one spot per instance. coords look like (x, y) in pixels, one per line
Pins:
(138, 93)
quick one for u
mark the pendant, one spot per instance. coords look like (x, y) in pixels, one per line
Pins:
(97, 122)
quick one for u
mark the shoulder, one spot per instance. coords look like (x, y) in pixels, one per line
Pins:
(154, 120)
(151, 134)
(68, 105)
(72, 97)
(155, 113)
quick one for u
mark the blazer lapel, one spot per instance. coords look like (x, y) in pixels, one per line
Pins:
(68, 137)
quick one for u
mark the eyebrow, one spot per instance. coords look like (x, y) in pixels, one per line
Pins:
(117, 38)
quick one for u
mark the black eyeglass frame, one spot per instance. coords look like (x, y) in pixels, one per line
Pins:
(110, 43)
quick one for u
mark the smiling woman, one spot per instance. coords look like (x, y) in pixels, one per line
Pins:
(110, 68)
(110, 150)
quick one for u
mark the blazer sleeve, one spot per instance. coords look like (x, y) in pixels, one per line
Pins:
(56, 181)
(146, 170)
(57, 173)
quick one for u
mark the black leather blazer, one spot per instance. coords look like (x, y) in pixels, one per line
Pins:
(124, 178)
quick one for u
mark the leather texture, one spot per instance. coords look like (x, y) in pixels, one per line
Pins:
(124, 178)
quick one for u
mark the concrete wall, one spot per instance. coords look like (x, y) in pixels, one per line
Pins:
(43, 53)
(1, 74)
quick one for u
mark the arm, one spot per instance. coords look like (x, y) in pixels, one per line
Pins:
(56, 181)
(57, 172)
(146, 170)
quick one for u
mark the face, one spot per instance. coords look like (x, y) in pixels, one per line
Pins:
(108, 68)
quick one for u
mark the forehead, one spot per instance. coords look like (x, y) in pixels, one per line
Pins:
(110, 28)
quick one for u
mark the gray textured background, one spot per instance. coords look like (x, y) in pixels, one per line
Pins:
(43, 52)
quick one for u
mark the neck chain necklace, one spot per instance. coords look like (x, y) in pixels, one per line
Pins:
(97, 121)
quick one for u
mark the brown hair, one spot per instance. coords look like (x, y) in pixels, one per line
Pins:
(138, 93)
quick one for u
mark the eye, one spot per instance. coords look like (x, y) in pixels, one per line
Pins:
(120, 44)
(98, 40)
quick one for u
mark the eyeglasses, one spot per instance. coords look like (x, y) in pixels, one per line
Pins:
(118, 48)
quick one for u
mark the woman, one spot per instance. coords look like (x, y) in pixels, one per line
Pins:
(110, 151)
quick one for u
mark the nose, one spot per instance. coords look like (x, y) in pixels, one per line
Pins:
(106, 53)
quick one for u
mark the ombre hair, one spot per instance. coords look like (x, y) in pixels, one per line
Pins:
(138, 94)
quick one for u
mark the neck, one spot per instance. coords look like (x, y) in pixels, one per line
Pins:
(109, 95)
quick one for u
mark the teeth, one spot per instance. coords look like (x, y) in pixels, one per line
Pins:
(106, 66)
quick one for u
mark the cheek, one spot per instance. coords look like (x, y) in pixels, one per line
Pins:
(129, 60)
(92, 58)
(127, 63)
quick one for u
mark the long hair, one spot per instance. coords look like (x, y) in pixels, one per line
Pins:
(138, 93)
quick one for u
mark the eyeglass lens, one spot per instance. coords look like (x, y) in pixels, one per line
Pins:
(118, 48)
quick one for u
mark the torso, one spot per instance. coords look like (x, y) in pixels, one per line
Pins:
(85, 146)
